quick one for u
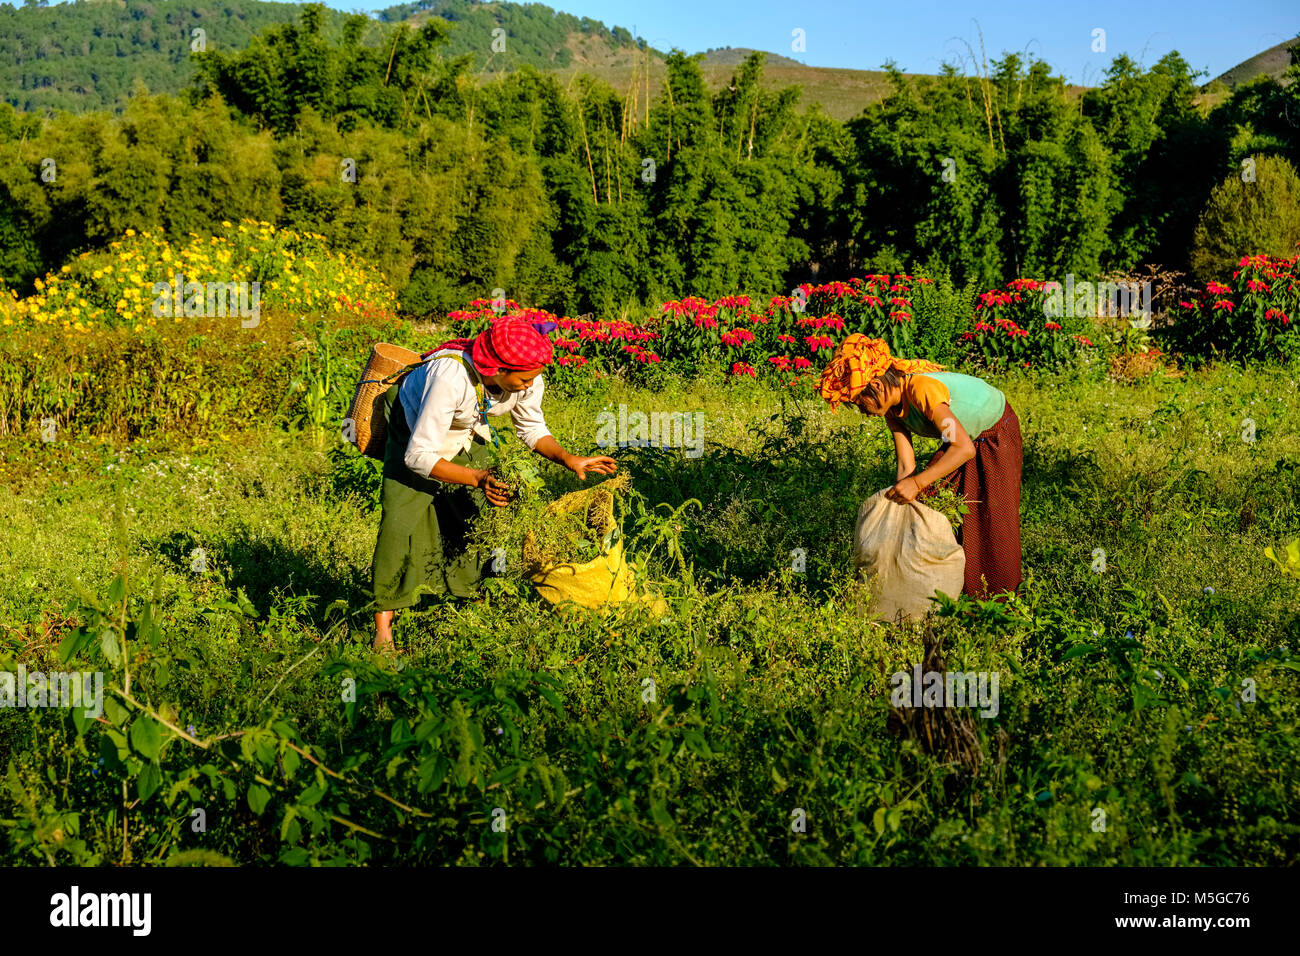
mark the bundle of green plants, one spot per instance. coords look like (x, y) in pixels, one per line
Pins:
(577, 528)
(948, 503)
(536, 530)
(514, 466)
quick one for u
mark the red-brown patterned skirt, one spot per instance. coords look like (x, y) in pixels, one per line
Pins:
(990, 532)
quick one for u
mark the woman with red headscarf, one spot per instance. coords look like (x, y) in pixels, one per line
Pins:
(436, 451)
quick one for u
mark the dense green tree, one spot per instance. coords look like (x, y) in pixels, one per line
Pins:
(293, 68)
(1255, 210)
(1149, 124)
(380, 136)
(922, 181)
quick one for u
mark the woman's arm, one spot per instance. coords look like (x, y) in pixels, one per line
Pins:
(440, 398)
(958, 450)
(530, 426)
(903, 449)
(454, 474)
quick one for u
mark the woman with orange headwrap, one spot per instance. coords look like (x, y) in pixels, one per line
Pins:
(980, 454)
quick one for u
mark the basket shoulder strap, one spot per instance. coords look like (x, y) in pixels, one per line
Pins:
(400, 373)
(473, 374)
(391, 377)
(484, 403)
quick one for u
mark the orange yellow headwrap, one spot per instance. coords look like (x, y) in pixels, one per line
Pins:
(858, 362)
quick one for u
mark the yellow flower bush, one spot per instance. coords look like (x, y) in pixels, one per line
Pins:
(113, 288)
(8, 306)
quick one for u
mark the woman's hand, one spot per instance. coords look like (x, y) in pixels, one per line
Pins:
(601, 464)
(905, 491)
(496, 491)
(550, 449)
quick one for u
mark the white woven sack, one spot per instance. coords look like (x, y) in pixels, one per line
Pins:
(906, 553)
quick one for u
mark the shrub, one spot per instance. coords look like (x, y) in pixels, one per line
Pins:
(87, 351)
(942, 313)
(790, 340)
(117, 287)
(1241, 218)
(203, 375)
(1013, 328)
(1250, 316)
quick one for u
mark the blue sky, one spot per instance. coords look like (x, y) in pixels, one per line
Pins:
(1213, 35)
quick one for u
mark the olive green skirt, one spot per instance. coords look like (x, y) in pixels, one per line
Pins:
(425, 524)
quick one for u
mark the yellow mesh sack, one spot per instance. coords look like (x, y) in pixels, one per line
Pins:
(606, 579)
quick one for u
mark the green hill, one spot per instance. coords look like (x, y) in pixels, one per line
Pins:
(1272, 62)
(91, 54)
(534, 34)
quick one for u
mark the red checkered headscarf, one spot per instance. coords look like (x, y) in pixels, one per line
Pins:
(509, 345)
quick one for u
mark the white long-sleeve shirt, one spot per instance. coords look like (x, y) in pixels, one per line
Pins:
(441, 407)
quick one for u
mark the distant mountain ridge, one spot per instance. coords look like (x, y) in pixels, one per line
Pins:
(1274, 62)
(91, 54)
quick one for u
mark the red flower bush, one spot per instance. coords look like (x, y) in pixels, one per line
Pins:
(736, 337)
(1011, 326)
(1248, 319)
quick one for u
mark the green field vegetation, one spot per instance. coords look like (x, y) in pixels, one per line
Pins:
(1120, 691)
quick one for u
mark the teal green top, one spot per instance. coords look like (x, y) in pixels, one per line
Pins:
(976, 403)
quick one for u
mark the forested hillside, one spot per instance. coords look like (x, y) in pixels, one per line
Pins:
(90, 53)
(575, 194)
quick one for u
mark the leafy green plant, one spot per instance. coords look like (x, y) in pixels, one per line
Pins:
(1289, 562)
(1133, 336)
(320, 390)
(516, 466)
(948, 503)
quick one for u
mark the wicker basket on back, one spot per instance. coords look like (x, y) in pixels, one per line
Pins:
(366, 413)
